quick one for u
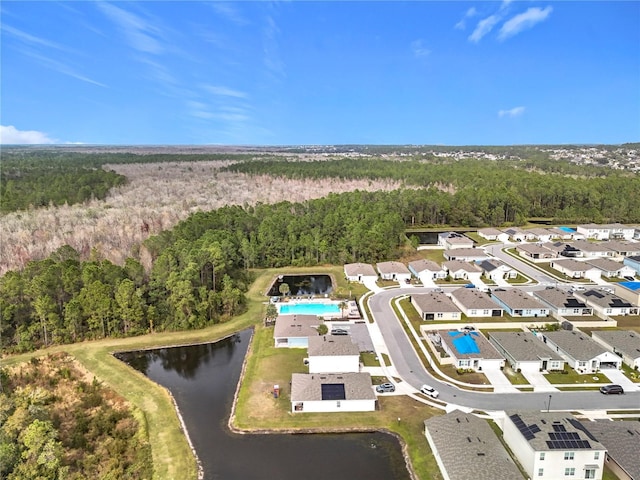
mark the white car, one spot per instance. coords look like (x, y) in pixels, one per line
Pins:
(429, 391)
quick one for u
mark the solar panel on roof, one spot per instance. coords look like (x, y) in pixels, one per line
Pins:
(333, 391)
(559, 428)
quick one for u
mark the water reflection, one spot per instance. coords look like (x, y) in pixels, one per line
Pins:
(203, 380)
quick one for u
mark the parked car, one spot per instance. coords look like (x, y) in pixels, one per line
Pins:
(429, 391)
(467, 328)
(631, 279)
(577, 288)
(385, 387)
(607, 289)
(469, 285)
(339, 331)
(612, 390)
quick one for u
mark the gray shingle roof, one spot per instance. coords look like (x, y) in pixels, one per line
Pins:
(455, 265)
(576, 344)
(524, 346)
(605, 264)
(602, 299)
(572, 265)
(434, 302)
(622, 441)
(559, 298)
(625, 341)
(468, 448)
(357, 386)
(466, 252)
(332, 345)
(296, 326)
(392, 267)
(517, 299)
(423, 265)
(353, 269)
(471, 298)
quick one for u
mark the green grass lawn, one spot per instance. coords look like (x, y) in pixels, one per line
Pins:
(573, 377)
(369, 359)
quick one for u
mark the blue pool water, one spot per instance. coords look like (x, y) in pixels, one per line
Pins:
(308, 309)
(567, 229)
(465, 343)
(634, 286)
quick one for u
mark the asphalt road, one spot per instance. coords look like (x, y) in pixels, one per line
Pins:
(411, 369)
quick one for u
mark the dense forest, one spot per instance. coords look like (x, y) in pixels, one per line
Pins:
(56, 425)
(481, 193)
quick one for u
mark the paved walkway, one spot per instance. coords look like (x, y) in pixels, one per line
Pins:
(539, 382)
(499, 381)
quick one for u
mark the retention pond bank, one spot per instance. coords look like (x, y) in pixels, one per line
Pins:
(203, 380)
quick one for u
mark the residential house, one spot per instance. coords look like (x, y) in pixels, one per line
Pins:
(541, 234)
(360, 272)
(469, 350)
(553, 445)
(474, 303)
(575, 269)
(563, 303)
(591, 249)
(293, 331)
(535, 251)
(623, 249)
(458, 270)
(611, 268)
(561, 233)
(625, 343)
(435, 306)
(593, 231)
(629, 291)
(497, 270)
(394, 271)
(622, 440)
(456, 433)
(516, 234)
(453, 240)
(518, 304)
(563, 249)
(618, 231)
(525, 352)
(493, 234)
(466, 254)
(633, 262)
(581, 353)
(332, 392)
(333, 354)
(427, 270)
(613, 231)
(606, 304)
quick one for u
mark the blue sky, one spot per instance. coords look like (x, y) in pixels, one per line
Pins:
(302, 72)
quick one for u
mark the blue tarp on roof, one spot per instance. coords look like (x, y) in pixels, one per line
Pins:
(465, 342)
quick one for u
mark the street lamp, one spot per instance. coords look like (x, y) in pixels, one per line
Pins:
(549, 404)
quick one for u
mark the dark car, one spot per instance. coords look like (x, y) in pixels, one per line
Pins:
(339, 331)
(612, 390)
(631, 279)
(385, 387)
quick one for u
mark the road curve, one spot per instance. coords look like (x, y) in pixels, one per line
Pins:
(410, 368)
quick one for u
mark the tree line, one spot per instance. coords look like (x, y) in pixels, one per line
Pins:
(481, 193)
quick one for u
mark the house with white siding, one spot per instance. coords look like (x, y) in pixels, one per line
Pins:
(563, 303)
(466, 254)
(332, 392)
(469, 350)
(394, 271)
(360, 272)
(497, 270)
(493, 234)
(333, 354)
(517, 234)
(620, 438)
(623, 249)
(435, 306)
(625, 343)
(582, 353)
(456, 433)
(541, 234)
(518, 303)
(474, 303)
(575, 269)
(606, 304)
(457, 270)
(293, 331)
(535, 251)
(427, 270)
(453, 240)
(553, 445)
(611, 268)
(526, 352)
(592, 249)
(612, 231)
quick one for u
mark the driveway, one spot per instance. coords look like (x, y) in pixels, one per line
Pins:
(616, 376)
(538, 381)
(499, 381)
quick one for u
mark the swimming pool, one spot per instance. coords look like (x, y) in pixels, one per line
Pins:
(312, 308)
(567, 229)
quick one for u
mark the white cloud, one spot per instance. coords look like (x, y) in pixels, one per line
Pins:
(32, 39)
(61, 67)
(462, 24)
(230, 12)
(419, 50)
(224, 91)
(141, 34)
(524, 21)
(10, 135)
(483, 27)
(513, 112)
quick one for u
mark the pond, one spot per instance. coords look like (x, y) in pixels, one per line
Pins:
(303, 285)
(203, 380)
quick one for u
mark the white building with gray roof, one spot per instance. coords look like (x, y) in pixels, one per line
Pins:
(525, 352)
(459, 269)
(333, 354)
(575, 269)
(293, 331)
(427, 269)
(469, 350)
(625, 343)
(465, 447)
(553, 445)
(465, 254)
(582, 353)
(606, 304)
(611, 268)
(563, 302)
(518, 303)
(360, 272)
(435, 306)
(474, 303)
(394, 271)
(622, 441)
(332, 392)
(535, 251)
